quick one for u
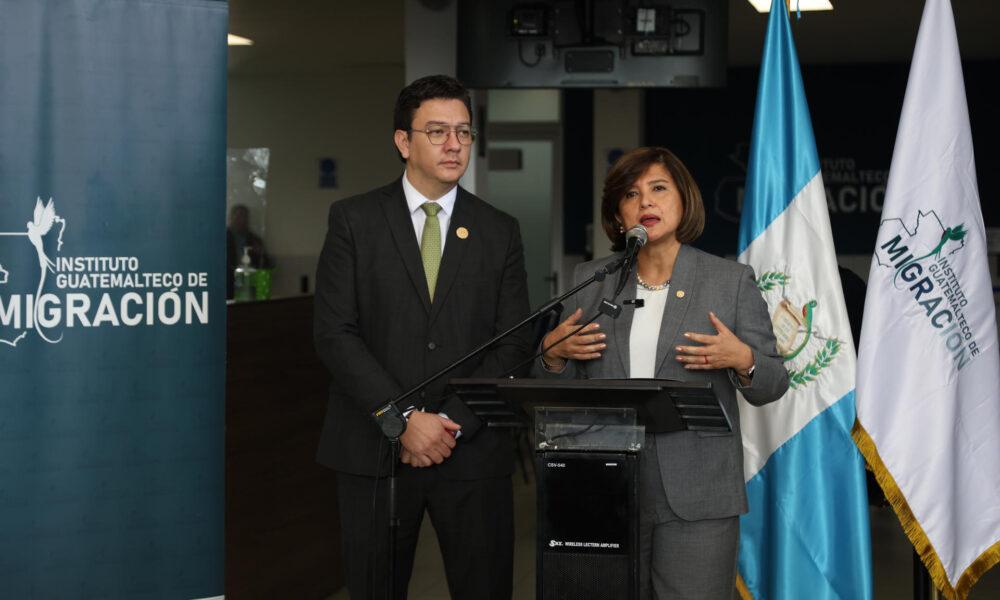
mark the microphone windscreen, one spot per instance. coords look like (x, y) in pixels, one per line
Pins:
(638, 233)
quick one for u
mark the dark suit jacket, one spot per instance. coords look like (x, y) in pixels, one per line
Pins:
(378, 333)
(702, 472)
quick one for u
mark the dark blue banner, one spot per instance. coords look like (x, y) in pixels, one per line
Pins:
(112, 298)
(855, 113)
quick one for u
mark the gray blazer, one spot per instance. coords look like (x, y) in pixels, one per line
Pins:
(702, 472)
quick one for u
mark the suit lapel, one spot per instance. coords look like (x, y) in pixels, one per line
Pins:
(455, 249)
(682, 282)
(401, 228)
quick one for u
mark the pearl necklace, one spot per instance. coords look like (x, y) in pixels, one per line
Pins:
(651, 288)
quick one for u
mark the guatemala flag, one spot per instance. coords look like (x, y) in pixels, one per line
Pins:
(807, 533)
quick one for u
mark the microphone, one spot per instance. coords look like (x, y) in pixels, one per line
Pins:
(635, 239)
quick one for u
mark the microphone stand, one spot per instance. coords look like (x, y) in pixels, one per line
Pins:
(392, 422)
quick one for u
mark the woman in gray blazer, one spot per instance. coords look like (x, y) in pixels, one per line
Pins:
(702, 319)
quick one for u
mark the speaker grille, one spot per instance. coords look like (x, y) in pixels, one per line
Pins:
(569, 576)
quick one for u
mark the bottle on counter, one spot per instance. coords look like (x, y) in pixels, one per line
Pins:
(245, 279)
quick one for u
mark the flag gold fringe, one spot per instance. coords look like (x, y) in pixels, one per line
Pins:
(741, 587)
(915, 532)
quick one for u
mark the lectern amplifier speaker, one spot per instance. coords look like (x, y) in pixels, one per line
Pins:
(587, 525)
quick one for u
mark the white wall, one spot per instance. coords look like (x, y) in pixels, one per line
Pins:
(344, 114)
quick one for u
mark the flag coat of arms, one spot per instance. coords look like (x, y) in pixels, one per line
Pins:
(929, 372)
(806, 534)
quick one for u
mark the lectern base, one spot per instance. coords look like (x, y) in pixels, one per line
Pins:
(587, 525)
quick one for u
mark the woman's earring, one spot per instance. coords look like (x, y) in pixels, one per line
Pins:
(621, 228)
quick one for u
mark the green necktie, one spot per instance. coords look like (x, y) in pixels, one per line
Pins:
(430, 245)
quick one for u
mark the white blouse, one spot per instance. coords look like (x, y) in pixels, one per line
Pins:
(645, 332)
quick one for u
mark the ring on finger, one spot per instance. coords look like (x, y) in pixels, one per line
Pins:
(706, 358)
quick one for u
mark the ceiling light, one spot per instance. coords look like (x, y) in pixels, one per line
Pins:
(765, 5)
(235, 40)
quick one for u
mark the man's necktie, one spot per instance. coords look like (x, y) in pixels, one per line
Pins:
(430, 245)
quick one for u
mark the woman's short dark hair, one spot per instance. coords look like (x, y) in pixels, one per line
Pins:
(432, 87)
(623, 175)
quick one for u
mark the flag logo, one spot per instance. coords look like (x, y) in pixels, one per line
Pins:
(37, 231)
(923, 260)
(89, 291)
(803, 345)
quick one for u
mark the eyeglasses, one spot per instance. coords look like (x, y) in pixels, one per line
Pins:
(438, 134)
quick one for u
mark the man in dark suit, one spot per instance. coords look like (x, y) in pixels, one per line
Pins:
(411, 277)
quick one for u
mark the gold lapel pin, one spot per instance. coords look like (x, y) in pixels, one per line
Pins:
(462, 233)
(680, 293)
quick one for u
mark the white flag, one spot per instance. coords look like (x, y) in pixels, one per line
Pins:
(928, 392)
